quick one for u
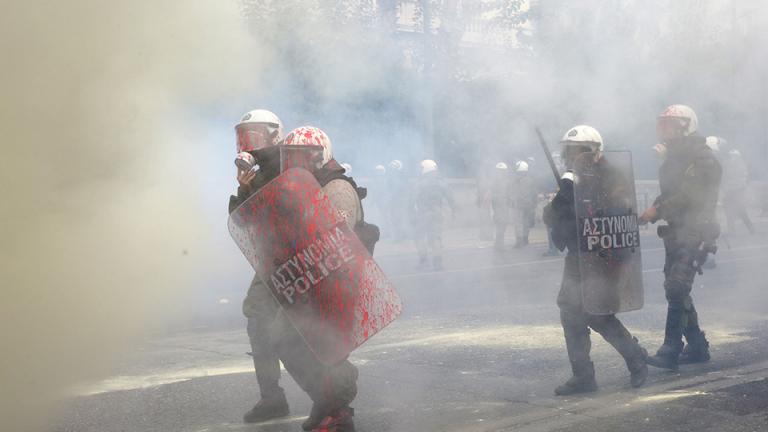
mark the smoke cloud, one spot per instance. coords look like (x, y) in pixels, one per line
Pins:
(101, 170)
(116, 122)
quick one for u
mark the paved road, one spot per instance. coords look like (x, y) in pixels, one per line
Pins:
(478, 348)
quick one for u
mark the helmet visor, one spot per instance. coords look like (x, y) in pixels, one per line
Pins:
(669, 128)
(255, 136)
(572, 150)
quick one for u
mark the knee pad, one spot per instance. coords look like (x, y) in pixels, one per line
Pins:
(676, 290)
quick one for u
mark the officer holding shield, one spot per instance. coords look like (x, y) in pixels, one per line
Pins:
(577, 318)
(332, 387)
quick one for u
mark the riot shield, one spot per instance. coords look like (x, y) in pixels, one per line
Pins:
(609, 239)
(327, 283)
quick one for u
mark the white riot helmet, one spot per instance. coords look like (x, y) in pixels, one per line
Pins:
(583, 136)
(311, 136)
(681, 117)
(396, 165)
(258, 129)
(380, 169)
(521, 166)
(347, 168)
(428, 166)
(501, 166)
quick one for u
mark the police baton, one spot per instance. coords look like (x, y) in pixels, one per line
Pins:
(548, 153)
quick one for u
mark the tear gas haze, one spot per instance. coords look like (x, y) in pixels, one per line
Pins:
(118, 143)
(101, 171)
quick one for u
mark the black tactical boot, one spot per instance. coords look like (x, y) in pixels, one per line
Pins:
(582, 381)
(267, 408)
(697, 350)
(666, 358)
(638, 368)
(340, 420)
(319, 412)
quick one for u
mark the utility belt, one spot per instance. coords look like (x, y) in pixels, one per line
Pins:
(704, 231)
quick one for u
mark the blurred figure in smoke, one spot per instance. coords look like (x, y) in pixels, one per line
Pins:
(377, 196)
(430, 196)
(485, 183)
(258, 132)
(716, 144)
(525, 196)
(560, 214)
(735, 177)
(501, 203)
(331, 387)
(689, 180)
(397, 192)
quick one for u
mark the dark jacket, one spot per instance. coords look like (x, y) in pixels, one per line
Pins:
(689, 180)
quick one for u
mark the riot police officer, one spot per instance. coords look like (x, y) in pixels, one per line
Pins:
(430, 196)
(525, 198)
(257, 132)
(501, 203)
(576, 321)
(689, 180)
(331, 387)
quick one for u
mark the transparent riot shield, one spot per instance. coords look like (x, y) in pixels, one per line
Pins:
(608, 234)
(327, 283)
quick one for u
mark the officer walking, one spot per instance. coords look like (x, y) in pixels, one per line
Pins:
(689, 180)
(525, 197)
(331, 387)
(501, 203)
(576, 321)
(735, 176)
(428, 200)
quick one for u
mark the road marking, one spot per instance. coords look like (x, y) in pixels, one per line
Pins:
(670, 396)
